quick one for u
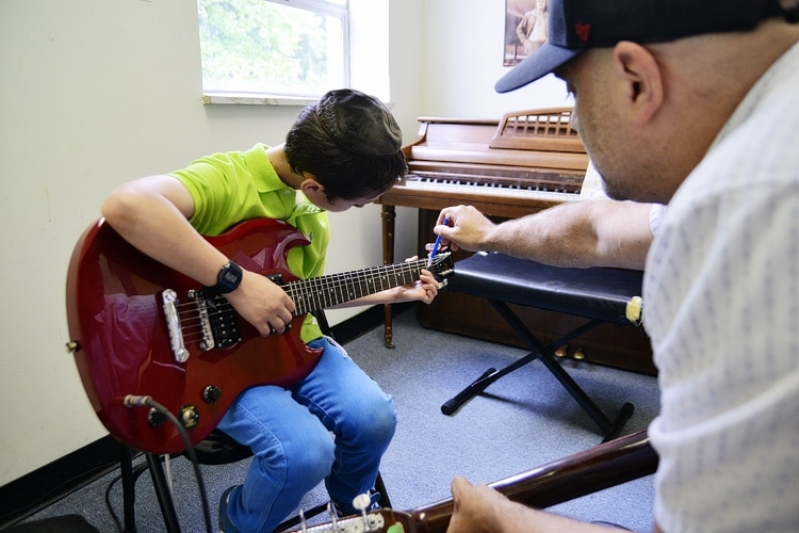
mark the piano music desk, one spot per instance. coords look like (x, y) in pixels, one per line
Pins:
(597, 295)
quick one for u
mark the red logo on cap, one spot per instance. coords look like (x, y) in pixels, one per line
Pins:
(582, 31)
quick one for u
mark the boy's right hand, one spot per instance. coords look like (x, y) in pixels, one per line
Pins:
(263, 304)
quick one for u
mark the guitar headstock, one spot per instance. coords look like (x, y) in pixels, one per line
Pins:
(379, 521)
(442, 266)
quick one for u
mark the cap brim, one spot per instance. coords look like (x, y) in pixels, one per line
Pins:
(535, 66)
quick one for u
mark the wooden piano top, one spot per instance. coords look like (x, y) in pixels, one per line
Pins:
(525, 162)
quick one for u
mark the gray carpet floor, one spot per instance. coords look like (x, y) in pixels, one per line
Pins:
(522, 421)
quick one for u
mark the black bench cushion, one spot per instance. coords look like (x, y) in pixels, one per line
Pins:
(599, 293)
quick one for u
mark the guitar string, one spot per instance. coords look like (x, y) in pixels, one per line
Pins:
(315, 293)
(319, 292)
(313, 289)
(323, 289)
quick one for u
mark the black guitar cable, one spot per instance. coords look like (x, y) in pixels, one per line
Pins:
(108, 503)
(138, 401)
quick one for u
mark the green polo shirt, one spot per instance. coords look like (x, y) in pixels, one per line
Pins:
(232, 187)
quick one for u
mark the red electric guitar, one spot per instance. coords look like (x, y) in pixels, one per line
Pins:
(140, 328)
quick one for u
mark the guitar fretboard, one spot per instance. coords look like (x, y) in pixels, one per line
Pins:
(327, 291)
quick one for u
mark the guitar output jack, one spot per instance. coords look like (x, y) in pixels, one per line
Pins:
(189, 416)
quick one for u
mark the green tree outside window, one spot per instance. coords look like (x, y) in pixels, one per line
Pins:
(264, 47)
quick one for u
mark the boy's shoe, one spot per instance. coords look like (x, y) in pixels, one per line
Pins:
(225, 524)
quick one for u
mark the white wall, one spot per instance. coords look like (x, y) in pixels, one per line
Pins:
(463, 56)
(94, 93)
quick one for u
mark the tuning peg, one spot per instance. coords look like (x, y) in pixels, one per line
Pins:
(362, 502)
(331, 510)
(303, 527)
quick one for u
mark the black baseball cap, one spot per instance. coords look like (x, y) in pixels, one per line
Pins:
(359, 123)
(577, 25)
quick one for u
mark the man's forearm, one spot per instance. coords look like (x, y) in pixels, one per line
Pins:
(580, 234)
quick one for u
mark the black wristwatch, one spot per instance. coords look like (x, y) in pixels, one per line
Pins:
(229, 278)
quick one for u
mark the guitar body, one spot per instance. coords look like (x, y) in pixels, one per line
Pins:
(122, 344)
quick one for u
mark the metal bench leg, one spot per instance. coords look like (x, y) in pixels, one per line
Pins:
(492, 374)
(609, 430)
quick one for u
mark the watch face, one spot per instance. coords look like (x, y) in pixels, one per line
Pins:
(229, 278)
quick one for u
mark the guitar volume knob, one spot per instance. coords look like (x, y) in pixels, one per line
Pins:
(211, 394)
(155, 418)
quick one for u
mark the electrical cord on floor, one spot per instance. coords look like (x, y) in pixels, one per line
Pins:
(136, 401)
(108, 503)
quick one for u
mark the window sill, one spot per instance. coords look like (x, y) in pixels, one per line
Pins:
(255, 99)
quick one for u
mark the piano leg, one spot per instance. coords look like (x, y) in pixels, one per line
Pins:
(388, 215)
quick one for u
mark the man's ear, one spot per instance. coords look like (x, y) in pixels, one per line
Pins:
(642, 78)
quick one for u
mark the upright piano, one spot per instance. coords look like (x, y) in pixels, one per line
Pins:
(525, 162)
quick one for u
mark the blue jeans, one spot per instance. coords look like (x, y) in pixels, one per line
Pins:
(289, 431)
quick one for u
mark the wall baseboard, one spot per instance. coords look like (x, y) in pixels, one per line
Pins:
(48, 484)
(44, 486)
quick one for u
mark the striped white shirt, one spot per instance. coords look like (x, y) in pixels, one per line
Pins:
(722, 308)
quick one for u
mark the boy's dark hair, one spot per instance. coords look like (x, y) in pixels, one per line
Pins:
(350, 142)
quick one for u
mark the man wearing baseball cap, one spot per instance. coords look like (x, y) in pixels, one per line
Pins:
(343, 151)
(694, 104)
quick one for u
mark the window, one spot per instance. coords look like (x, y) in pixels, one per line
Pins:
(274, 48)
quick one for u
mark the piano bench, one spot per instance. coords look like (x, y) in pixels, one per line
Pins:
(598, 294)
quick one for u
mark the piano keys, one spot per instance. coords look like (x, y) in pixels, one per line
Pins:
(525, 162)
(508, 168)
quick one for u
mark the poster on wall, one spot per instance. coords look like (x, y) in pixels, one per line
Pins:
(526, 28)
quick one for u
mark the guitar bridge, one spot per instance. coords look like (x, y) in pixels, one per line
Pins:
(218, 320)
(169, 299)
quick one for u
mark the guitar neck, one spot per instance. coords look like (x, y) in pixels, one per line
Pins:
(606, 465)
(327, 291)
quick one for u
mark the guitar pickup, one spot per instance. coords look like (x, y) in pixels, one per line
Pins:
(219, 321)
